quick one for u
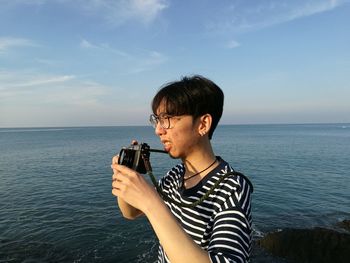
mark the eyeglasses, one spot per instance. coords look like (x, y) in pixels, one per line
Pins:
(163, 120)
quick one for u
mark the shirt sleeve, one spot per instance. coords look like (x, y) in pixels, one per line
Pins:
(231, 238)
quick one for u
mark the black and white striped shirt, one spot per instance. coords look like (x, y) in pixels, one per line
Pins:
(222, 223)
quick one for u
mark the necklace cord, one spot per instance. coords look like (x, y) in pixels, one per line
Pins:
(195, 203)
(199, 201)
(193, 175)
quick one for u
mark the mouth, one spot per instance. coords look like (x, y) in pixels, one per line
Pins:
(166, 145)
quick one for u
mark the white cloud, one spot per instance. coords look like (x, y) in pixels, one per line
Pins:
(85, 44)
(48, 62)
(11, 42)
(122, 11)
(115, 12)
(132, 62)
(15, 84)
(155, 58)
(13, 3)
(148, 61)
(313, 7)
(80, 93)
(147, 10)
(232, 44)
(252, 15)
(39, 99)
(39, 81)
(36, 88)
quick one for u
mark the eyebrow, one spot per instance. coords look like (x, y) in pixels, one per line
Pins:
(164, 114)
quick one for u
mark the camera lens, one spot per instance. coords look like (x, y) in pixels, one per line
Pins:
(126, 157)
(133, 157)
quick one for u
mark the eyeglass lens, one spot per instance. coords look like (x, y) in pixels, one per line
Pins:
(163, 120)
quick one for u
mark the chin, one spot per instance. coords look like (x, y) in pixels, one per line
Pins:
(173, 155)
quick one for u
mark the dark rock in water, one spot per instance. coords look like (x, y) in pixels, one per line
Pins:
(261, 255)
(345, 224)
(309, 245)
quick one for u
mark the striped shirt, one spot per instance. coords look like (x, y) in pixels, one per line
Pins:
(222, 223)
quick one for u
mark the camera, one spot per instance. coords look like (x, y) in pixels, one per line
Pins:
(135, 156)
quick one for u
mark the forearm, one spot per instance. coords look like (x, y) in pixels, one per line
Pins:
(133, 191)
(177, 244)
(127, 210)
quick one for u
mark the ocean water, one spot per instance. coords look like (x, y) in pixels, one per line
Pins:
(55, 187)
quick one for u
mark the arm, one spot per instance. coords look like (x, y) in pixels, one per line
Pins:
(134, 190)
(178, 246)
(231, 239)
(127, 210)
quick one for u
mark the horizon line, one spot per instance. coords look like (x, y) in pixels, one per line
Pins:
(145, 125)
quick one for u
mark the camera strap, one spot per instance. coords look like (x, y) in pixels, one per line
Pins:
(204, 197)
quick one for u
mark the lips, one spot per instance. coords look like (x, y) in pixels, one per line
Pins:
(166, 145)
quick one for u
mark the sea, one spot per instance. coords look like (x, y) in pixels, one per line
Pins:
(55, 187)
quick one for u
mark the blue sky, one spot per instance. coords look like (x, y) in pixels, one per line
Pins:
(100, 62)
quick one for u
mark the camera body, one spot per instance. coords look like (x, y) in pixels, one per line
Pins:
(135, 157)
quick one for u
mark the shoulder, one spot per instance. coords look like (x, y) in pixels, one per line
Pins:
(233, 188)
(172, 177)
(226, 176)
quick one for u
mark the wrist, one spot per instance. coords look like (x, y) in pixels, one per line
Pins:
(153, 205)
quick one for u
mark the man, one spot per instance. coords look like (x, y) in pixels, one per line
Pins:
(203, 212)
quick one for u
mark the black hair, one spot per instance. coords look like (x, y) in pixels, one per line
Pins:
(194, 96)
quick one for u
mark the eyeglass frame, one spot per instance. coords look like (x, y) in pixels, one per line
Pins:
(154, 120)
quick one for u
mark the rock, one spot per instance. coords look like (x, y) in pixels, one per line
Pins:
(309, 245)
(345, 224)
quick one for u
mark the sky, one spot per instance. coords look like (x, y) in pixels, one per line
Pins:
(100, 62)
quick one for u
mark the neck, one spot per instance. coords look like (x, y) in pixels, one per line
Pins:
(199, 160)
(202, 172)
(198, 164)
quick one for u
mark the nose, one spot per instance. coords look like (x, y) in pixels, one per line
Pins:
(159, 130)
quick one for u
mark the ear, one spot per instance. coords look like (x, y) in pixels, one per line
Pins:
(204, 126)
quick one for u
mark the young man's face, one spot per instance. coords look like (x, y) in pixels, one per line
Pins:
(182, 138)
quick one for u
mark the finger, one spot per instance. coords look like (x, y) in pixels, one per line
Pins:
(114, 177)
(116, 184)
(121, 168)
(124, 169)
(115, 192)
(114, 166)
(117, 175)
(115, 172)
(115, 159)
(119, 184)
(121, 177)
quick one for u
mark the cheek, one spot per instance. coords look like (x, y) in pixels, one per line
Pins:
(184, 139)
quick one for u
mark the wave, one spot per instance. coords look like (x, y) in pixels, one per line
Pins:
(32, 130)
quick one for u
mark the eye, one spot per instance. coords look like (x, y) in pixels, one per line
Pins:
(163, 116)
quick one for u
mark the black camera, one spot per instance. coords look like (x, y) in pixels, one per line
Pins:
(134, 157)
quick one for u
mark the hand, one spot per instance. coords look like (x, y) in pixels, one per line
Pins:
(131, 186)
